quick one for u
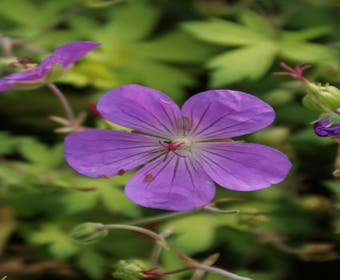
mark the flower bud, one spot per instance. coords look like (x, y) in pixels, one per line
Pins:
(127, 270)
(88, 232)
(322, 98)
(328, 125)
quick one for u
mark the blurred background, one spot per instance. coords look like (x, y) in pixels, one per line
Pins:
(288, 231)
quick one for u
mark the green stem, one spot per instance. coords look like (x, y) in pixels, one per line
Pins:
(159, 238)
(64, 103)
(220, 271)
(158, 218)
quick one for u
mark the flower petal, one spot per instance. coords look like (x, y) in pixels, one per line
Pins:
(66, 55)
(243, 166)
(176, 183)
(141, 108)
(324, 128)
(5, 85)
(104, 153)
(9, 82)
(217, 114)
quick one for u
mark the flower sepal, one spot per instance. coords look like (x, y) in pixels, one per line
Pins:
(55, 73)
(125, 270)
(89, 232)
(322, 98)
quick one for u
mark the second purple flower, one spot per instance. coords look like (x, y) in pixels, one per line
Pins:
(183, 152)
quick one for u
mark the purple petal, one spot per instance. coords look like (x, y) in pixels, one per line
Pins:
(176, 183)
(100, 153)
(66, 55)
(324, 128)
(217, 114)
(141, 108)
(243, 166)
(6, 83)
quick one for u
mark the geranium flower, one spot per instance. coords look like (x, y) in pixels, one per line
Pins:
(325, 128)
(183, 151)
(50, 69)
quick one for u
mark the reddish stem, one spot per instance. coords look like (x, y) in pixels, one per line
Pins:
(296, 72)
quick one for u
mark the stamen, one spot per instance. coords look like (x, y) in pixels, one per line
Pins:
(171, 147)
(23, 62)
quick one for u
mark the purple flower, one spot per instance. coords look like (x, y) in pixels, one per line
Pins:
(324, 128)
(183, 151)
(49, 69)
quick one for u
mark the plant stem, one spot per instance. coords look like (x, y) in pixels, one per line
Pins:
(157, 249)
(220, 271)
(154, 219)
(7, 46)
(64, 103)
(336, 171)
(159, 238)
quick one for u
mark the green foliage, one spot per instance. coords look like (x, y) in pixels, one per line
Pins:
(127, 55)
(179, 47)
(259, 43)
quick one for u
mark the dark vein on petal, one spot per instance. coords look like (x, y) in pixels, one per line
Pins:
(206, 158)
(159, 121)
(242, 163)
(159, 171)
(171, 120)
(200, 120)
(87, 150)
(145, 154)
(175, 171)
(139, 119)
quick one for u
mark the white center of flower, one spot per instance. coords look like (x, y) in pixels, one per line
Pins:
(185, 142)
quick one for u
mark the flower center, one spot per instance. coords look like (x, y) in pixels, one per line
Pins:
(27, 67)
(176, 145)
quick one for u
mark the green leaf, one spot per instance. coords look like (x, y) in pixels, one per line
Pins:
(41, 154)
(105, 191)
(193, 234)
(31, 17)
(77, 201)
(224, 32)
(92, 263)
(306, 34)
(116, 201)
(132, 22)
(176, 47)
(127, 55)
(59, 243)
(306, 52)
(248, 62)
(333, 186)
(169, 79)
(256, 22)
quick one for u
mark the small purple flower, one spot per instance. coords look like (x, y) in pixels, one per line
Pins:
(183, 151)
(325, 128)
(49, 69)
